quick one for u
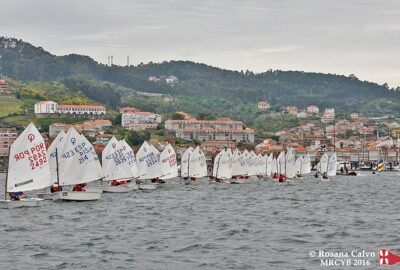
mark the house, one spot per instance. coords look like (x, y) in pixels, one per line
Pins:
(4, 88)
(302, 115)
(138, 120)
(328, 116)
(171, 79)
(223, 129)
(153, 79)
(168, 98)
(263, 105)
(50, 108)
(313, 109)
(89, 128)
(292, 110)
(7, 137)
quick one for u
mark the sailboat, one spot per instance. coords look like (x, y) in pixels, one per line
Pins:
(28, 169)
(52, 158)
(184, 167)
(332, 165)
(238, 170)
(148, 161)
(270, 163)
(169, 168)
(298, 166)
(289, 164)
(197, 166)
(117, 169)
(222, 171)
(77, 163)
(306, 168)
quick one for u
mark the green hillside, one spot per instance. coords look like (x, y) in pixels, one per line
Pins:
(200, 89)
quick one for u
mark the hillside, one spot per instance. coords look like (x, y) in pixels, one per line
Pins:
(201, 88)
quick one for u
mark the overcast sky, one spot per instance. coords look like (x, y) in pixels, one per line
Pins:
(330, 36)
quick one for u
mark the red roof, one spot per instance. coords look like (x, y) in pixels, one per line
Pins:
(81, 106)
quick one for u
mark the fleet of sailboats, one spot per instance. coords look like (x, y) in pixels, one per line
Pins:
(71, 162)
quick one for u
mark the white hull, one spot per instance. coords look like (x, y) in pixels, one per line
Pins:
(80, 196)
(97, 189)
(147, 186)
(31, 202)
(45, 196)
(120, 188)
(237, 181)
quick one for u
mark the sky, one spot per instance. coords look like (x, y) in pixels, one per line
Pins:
(360, 37)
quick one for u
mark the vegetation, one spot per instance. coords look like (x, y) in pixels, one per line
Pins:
(203, 91)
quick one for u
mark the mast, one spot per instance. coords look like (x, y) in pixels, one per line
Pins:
(58, 176)
(8, 167)
(188, 166)
(216, 172)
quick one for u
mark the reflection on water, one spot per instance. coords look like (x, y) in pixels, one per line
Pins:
(258, 225)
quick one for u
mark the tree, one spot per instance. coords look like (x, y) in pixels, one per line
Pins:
(177, 116)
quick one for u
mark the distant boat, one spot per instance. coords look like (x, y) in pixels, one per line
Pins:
(28, 169)
(148, 162)
(117, 168)
(222, 171)
(169, 168)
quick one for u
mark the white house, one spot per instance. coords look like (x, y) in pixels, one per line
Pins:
(46, 107)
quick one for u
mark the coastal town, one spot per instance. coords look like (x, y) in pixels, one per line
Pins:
(358, 141)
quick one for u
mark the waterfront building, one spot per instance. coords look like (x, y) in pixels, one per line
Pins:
(7, 137)
(223, 129)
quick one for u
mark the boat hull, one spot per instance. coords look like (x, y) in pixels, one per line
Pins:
(120, 188)
(45, 196)
(237, 181)
(80, 196)
(147, 186)
(30, 202)
(94, 189)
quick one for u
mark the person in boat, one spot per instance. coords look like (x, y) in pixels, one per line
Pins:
(16, 196)
(374, 173)
(274, 176)
(298, 174)
(316, 175)
(55, 188)
(281, 178)
(341, 170)
(324, 175)
(78, 188)
(114, 183)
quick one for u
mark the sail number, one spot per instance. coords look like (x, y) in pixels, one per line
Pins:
(36, 156)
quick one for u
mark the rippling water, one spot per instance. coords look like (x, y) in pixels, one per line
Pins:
(258, 225)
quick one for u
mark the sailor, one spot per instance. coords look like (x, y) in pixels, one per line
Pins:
(341, 170)
(324, 175)
(55, 188)
(77, 188)
(16, 196)
(281, 179)
(274, 176)
(316, 175)
(114, 183)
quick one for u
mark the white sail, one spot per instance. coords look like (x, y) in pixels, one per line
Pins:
(130, 155)
(323, 164)
(148, 161)
(185, 162)
(247, 161)
(290, 162)
(306, 168)
(52, 151)
(238, 166)
(216, 163)
(78, 161)
(28, 167)
(269, 164)
(252, 161)
(281, 162)
(298, 165)
(114, 161)
(224, 165)
(169, 168)
(332, 164)
(274, 168)
(197, 164)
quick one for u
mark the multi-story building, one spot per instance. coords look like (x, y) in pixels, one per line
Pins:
(292, 110)
(263, 105)
(328, 116)
(223, 129)
(4, 88)
(137, 120)
(313, 109)
(89, 128)
(7, 137)
(51, 108)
